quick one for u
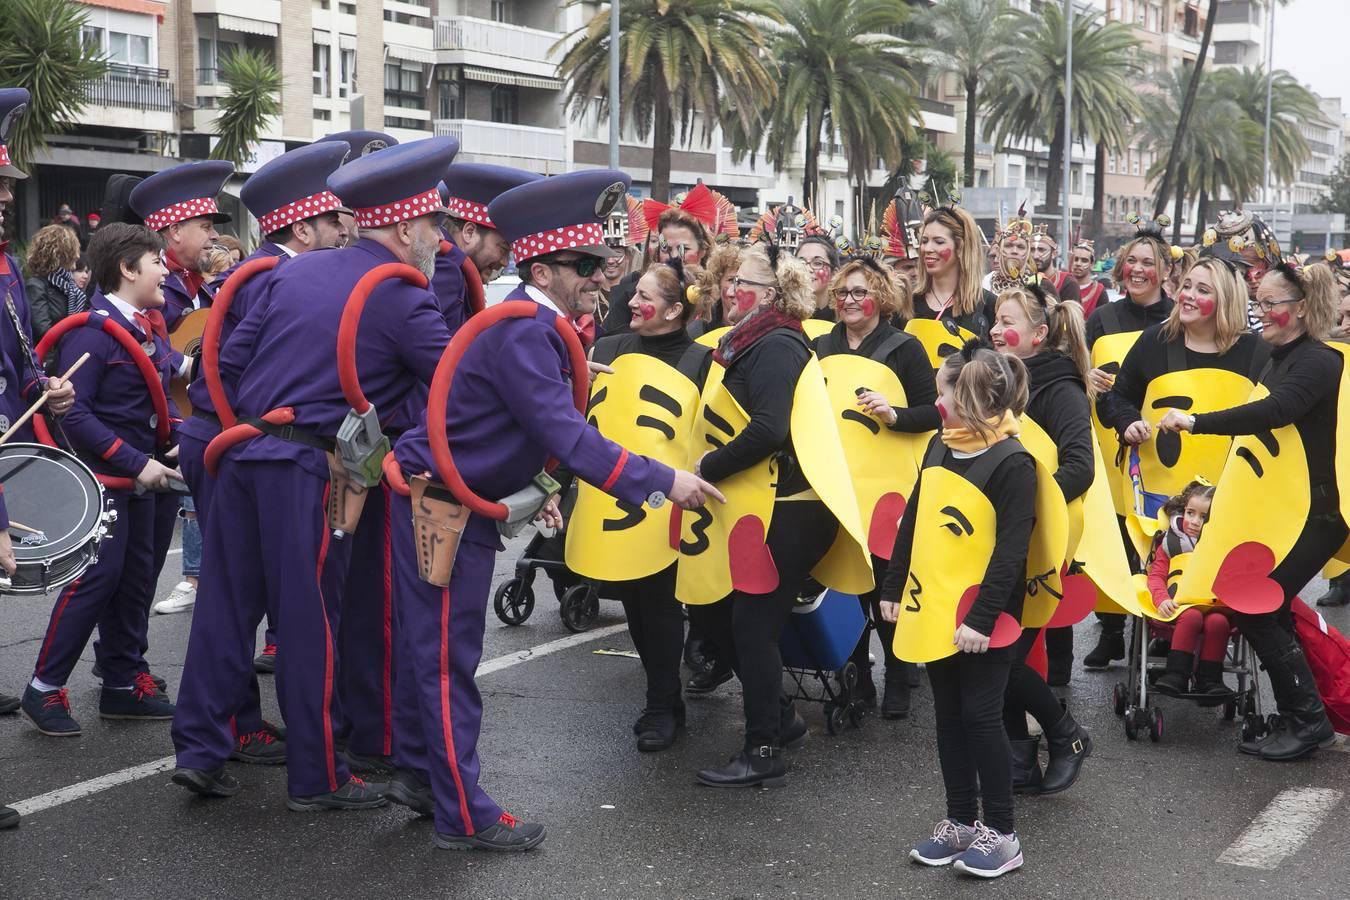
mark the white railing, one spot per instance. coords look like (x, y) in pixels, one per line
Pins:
(498, 38)
(499, 139)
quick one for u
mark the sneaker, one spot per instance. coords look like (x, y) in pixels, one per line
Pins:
(9, 704)
(266, 662)
(355, 794)
(508, 834)
(406, 789)
(50, 711)
(950, 839)
(206, 782)
(161, 684)
(143, 701)
(993, 854)
(259, 748)
(181, 599)
(369, 764)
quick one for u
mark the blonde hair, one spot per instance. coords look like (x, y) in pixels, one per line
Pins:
(793, 294)
(54, 247)
(986, 385)
(904, 293)
(969, 258)
(1316, 287)
(220, 261)
(1066, 333)
(1230, 312)
(1161, 251)
(881, 282)
(723, 260)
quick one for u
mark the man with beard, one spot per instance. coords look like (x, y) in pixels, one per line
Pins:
(1044, 252)
(268, 539)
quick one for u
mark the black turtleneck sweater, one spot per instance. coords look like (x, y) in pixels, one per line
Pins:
(1304, 385)
(1133, 317)
(1059, 404)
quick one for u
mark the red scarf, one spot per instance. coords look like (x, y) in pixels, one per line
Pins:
(192, 281)
(749, 330)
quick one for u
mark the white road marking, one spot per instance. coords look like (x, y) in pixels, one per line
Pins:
(174, 551)
(1282, 827)
(84, 789)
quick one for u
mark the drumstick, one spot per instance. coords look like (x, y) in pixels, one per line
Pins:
(41, 400)
(22, 527)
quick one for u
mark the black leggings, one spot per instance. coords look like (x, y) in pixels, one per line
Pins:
(1027, 693)
(972, 745)
(871, 605)
(656, 624)
(746, 628)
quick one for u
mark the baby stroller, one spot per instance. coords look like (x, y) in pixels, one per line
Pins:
(816, 646)
(578, 598)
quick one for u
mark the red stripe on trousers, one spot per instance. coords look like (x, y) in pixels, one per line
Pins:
(388, 625)
(618, 470)
(447, 729)
(56, 620)
(327, 650)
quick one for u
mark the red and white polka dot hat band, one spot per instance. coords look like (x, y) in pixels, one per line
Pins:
(469, 211)
(584, 234)
(400, 211)
(180, 212)
(304, 208)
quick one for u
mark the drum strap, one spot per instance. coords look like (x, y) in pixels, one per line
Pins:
(29, 361)
(206, 416)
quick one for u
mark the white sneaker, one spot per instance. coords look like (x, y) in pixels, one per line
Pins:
(181, 599)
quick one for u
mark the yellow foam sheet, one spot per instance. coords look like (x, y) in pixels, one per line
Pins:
(650, 408)
(939, 338)
(1110, 350)
(1050, 538)
(710, 338)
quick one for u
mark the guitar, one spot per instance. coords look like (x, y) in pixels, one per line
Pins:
(186, 338)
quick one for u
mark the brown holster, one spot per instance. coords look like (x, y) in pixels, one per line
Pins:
(438, 524)
(346, 496)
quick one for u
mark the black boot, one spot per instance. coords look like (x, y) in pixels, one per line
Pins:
(895, 703)
(1058, 656)
(1069, 744)
(1338, 594)
(1110, 645)
(791, 726)
(708, 680)
(1306, 724)
(1209, 681)
(756, 767)
(1177, 678)
(656, 729)
(1026, 766)
(867, 688)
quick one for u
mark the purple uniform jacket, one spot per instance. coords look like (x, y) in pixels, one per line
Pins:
(177, 301)
(244, 300)
(510, 409)
(112, 424)
(18, 376)
(284, 352)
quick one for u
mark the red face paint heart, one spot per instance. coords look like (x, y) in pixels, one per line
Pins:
(945, 254)
(1006, 629)
(646, 310)
(1126, 271)
(746, 300)
(1151, 274)
(1243, 583)
(942, 410)
(1011, 337)
(1080, 598)
(1205, 305)
(822, 276)
(869, 307)
(1279, 317)
(885, 523)
(752, 568)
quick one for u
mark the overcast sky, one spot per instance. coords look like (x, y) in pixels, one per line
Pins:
(1310, 41)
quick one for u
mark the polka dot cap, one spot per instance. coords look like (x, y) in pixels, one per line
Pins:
(586, 234)
(179, 212)
(469, 211)
(305, 207)
(401, 211)
(4, 156)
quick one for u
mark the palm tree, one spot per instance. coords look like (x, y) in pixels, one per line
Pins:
(41, 50)
(255, 96)
(967, 38)
(676, 59)
(842, 73)
(1028, 102)
(1291, 105)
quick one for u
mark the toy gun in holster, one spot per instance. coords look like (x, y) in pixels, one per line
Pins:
(354, 467)
(524, 506)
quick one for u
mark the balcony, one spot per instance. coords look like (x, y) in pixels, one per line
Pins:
(542, 150)
(937, 116)
(125, 87)
(464, 40)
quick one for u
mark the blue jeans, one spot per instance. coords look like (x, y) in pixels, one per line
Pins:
(192, 540)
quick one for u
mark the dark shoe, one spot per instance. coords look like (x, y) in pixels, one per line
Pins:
(658, 730)
(265, 663)
(1159, 647)
(507, 835)
(406, 789)
(50, 711)
(915, 679)
(792, 728)
(160, 684)
(1338, 594)
(355, 794)
(1209, 681)
(697, 655)
(641, 724)
(1026, 764)
(866, 694)
(9, 704)
(1307, 727)
(206, 783)
(895, 702)
(1253, 746)
(757, 767)
(1177, 678)
(1110, 645)
(259, 749)
(1069, 744)
(277, 731)
(369, 764)
(9, 818)
(709, 680)
(143, 701)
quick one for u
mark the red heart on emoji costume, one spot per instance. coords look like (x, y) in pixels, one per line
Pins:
(1243, 583)
(1080, 598)
(1006, 629)
(885, 523)
(752, 568)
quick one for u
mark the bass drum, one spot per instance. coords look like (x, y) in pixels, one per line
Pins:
(57, 516)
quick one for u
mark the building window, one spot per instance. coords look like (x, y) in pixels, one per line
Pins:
(323, 115)
(1110, 162)
(321, 71)
(1136, 164)
(449, 101)
(403, 87)
(501, 11)
(505, 105)
(322, 4)
(92, 38)
(132, 49)
(347, 9)
(1111, 205)
(348, 62)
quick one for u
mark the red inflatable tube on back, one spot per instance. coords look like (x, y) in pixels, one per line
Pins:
(215, 323)
(237, 434)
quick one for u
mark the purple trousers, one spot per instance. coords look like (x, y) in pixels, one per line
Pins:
(439, 709)
(266, 542)
(366, 635)
(111, 596)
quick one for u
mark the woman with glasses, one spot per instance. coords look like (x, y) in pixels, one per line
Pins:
(865, 298)
(821, 257)
(948, 291)
(717, 300)
(1297, 309)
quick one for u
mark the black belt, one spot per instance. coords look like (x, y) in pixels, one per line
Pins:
(206, 417)
(292, 434)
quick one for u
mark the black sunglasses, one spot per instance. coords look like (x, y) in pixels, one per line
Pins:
(584, 266)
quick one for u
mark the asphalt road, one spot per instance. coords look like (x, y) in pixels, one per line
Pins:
(1145, 820)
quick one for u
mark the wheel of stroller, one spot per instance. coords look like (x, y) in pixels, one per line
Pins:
(1273, 722)
(514, 601)
(1118, 698)
(1155, 725)
(1230, 709)
(1251, 728)
(834, 718)
(848, 679)
(1131, 725)
(855, 715)
(579, 606)
(1249, 703)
